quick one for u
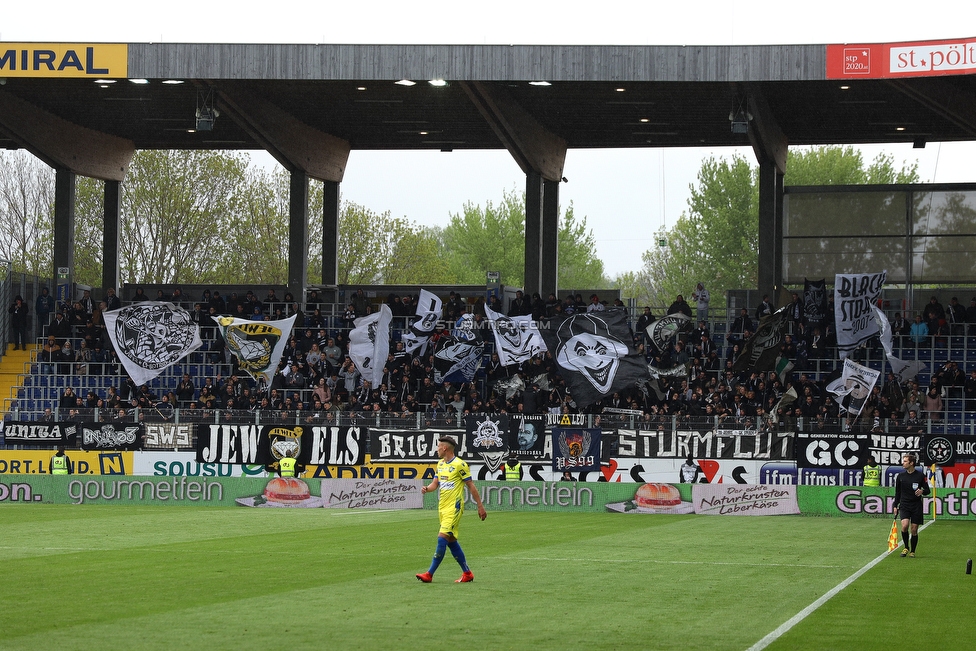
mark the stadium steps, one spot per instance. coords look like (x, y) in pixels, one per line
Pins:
(12, 370)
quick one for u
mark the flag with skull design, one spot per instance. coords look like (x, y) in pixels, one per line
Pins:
(150, 337)
(594, 354)
(517, 338)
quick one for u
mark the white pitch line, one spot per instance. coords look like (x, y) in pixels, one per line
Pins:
(800, 616)
(661, 562)
(365, 512)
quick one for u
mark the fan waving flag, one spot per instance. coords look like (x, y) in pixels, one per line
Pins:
(761, 351)
(593, 355)
(853, 387)
(854, 294)
(457, 357)
(257, 345)
(369, 344)
(428, 313)
(517, 338)
(150, 337)
(667, 328)
(903, 370)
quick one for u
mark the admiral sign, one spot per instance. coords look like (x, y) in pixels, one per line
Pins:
(108, 60)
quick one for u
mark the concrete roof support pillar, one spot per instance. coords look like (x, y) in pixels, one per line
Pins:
(110, 235)
(298, 234)
(330, 233)
(64, 223)
(771, 148)
(533, 233)
(770, 230)
(550, 238)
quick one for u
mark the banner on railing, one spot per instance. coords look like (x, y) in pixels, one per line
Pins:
(40, 433)
(527, 437)
(264, 444)
(948, 449)
(575, 449)
(838, 450)
(705, 444)
(108, 436)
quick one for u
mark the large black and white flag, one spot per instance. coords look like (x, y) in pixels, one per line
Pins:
(150, 337)
(257, 345)
(428, 314)
(517, 338)
(665, 329)
(594, 353)
(369, 344)
(761, 351)
(457, 357)
(854, 294)
(853, 387)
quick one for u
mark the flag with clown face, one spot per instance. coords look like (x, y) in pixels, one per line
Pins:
(594, 355)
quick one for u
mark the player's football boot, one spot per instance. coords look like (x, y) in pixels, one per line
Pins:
(904, 553)
(911, 554)
(467, 577)
(426, 577)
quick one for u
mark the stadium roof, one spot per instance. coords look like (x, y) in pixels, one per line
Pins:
(596, 97)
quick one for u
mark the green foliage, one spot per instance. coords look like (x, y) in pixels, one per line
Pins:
(487, 239)
(258, 248)
(493, 239)
(578, 265)
(715, 242)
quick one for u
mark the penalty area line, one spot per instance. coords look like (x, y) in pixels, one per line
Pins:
(800, 616)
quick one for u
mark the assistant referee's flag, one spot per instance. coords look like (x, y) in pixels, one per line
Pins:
(893, 536)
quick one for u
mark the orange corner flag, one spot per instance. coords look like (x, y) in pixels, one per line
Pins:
(893, 536)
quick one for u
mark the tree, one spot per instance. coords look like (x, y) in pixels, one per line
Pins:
(258, 249)
(493, 239)
(716, 241)
(579, 268)
(27, 213)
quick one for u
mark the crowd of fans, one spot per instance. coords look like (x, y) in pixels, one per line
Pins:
(696, 383)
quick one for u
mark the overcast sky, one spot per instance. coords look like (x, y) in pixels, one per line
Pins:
(626, 195)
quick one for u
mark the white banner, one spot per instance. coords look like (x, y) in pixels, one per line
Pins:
(517, 338)
(903, 370)
(854, 296)
(257, 345)
(428, 314)
(853, 387)
(369, 344)
(150, 337)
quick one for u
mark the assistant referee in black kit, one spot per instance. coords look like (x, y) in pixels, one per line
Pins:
(910, 486)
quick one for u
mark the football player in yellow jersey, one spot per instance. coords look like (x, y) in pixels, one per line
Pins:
(453, 475)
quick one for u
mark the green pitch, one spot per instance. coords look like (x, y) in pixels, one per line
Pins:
(112, 577)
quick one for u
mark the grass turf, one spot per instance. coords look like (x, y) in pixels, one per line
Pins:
(114, 577)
